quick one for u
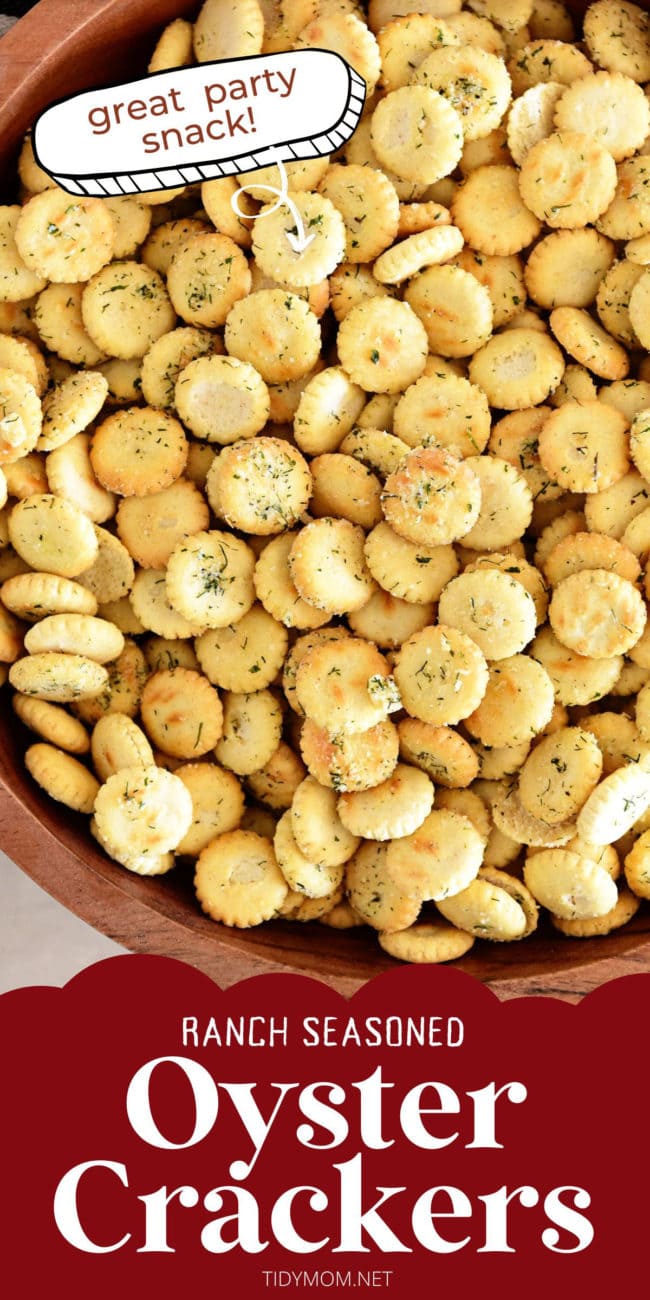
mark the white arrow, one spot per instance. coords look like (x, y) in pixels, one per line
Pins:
(298, 240)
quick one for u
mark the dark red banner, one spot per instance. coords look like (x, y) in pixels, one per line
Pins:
(159, 1132)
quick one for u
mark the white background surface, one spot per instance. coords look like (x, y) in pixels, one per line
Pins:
(40, 941)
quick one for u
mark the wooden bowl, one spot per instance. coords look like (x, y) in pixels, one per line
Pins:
(64, 46)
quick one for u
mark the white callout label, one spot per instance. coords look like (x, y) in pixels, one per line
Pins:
(193, 124)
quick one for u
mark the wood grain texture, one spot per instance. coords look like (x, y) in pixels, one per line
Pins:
(60, 47)
(63, 46)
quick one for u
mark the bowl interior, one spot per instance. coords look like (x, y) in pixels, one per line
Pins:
(58, 49)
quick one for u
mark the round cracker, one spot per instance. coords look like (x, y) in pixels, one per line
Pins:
(608, 106)
(313, 879)
(209, 579)
(492, 213)
(138, 450)
(374, 895)
(51, 722)
(279, 258)
(441, 752)
(117, 741)
(518, 703)
(445, 409)
(276, 332)
(125, 308)
(345, 692)
(382, 345)
(427, 942)
(560, 774)
(570, 886)
(221, 32)
(417, 134)
(181, 712)
(597, 614)
(437, 860)
(615, 804)
(408, 570)
(354, 761)
(246, 655)
(506, 505)
(441, 675)
(623, 910)
(276, 782)
(275, 588)
(317, 827)
(50, 533)
(566, 267)
(576, 678)
(617, 35)
(221, 399)
(63, 777)
(454, 308)
(63, 238)
(517, 369)
(584, 446)
(433, 497)
(568, 179)
(493, 609)
(33, 596)
(238, 880)
(328, 567)
(260, 485)
(486, 911)
(252, 725)
(369, 206)
(58, 677)
(390, 810)
(475, 82)
(76, 634)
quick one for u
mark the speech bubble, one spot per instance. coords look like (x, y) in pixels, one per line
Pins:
(176, 127)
